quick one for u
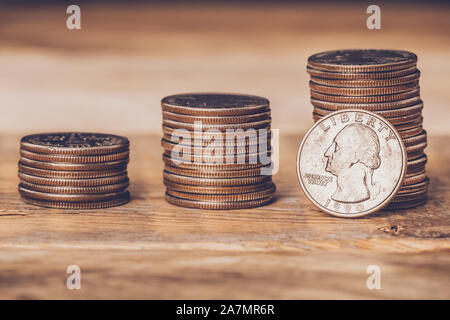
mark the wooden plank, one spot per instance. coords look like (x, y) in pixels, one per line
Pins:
(289, 249)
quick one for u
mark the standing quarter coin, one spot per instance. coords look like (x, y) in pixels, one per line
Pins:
(351, 163)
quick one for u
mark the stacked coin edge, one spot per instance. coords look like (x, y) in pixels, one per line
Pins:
(390, 90)
(73, 177)
(200, 181)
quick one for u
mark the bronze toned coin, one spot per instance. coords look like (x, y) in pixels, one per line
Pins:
(215, 104)
(210, 166)
(214, 150)
(228, 141)
(418, 139)
(366, 99)
(416, 165)
(219, 127)
(218, 205)
(414, 178)
(368, 83)
(215, 182)
(351, 163)
(360, 92)
(217, 174)
(91, 182)
(406, 205)
(362, 60)
(224, 197)
(375, 107)
(216, 120)
(360, 75)
(421, 185)
(74, 143)
(394, 113)
(410, 132)
(229, 134)
(416, 148)
(217, 190)
(75, 190)
(114, 165)
(415, 154)
(74, 159)
(82, 175)
(27, 193)
(79, 205)
(395, 121)
(411, 196)
(409, 125)
(263, 157)
(404, 191)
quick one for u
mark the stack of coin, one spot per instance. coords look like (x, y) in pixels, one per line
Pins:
(74, 170)
(385, 82)
(217, 151)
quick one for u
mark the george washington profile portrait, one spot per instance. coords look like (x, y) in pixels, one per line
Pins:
(352, 158)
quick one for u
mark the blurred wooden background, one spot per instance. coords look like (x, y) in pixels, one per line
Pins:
(111, 74)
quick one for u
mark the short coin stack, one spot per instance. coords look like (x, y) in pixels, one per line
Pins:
(385, 82)
(217, 151)
(74, 170)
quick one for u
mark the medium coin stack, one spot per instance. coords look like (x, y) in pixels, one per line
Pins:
(74, 170)
(385, 82)
(212, 160)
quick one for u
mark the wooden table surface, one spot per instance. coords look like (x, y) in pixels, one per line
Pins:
(286, 250)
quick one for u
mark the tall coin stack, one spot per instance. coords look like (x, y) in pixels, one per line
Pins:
(212, 160)
(74, 170)
(385, 82)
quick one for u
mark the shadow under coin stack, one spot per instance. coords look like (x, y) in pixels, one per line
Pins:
(211, 159)
(385, 82)
(74, 170)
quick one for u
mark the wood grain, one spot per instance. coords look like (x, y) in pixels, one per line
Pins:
(289, 249)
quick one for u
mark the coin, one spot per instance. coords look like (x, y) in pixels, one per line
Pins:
(91, 190)
(362, 60)
(217, 174)
(216, 120)
(217, 190)
(224, 197)
(332, 75)
(420, 138)
(414, 178)
(114, 165)
(388, 113)
(218, 205)
(368, 83)
(69, 174)
(220, 127)
(74, 143)
(362, 91)
(250, 158)
(27, 193)
(211, 150)
(79, 205)
(74, 159)
(351, 163)
(214, 181)
(226, 141)
(406, 205)
(210, 166)
(91, 182)
(319, 113)
(377, 106)
(366, 99)
(216, 104)
(229, 134)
